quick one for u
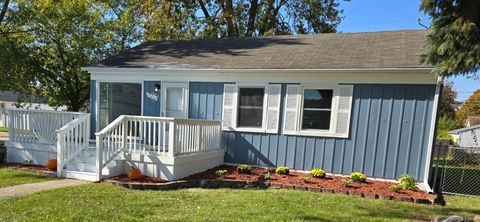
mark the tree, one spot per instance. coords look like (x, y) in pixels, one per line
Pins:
(448, 105)
(471, 107)
(188, 19)
(453, 45)
(52, 40)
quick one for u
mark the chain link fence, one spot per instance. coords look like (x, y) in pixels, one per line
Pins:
(462, 171)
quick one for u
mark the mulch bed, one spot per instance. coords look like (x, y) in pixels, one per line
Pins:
(31, 167)
(233, 179)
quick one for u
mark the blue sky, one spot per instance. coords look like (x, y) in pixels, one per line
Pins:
(381, 15)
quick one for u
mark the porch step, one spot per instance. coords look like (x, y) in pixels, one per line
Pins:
(84, 167)
(79, 175)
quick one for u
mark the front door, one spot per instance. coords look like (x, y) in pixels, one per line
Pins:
(174, 100)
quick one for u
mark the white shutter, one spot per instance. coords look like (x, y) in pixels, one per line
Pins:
(344, 110)
(229, 103)
(273, 107)
(291, 109)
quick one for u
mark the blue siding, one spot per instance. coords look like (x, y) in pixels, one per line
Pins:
(388, 133)
(93, 110)
(151, 99)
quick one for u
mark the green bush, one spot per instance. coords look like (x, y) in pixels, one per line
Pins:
(267, 176)
(396, 188)
(317, 173)
(221, 173)
(346, 182)
(245, 169)
(282, 170)
(358, 177)
(305, 179)
(407, 182)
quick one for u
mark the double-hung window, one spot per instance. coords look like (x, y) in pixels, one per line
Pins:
(317, 109)
(250, 107)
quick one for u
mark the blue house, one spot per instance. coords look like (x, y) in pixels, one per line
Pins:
(342, 102)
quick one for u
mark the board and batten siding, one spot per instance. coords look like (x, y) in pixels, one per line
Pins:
(388, 136)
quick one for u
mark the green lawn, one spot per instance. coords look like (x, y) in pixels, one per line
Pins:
(9, 177)
(3, 129)
(105, 202)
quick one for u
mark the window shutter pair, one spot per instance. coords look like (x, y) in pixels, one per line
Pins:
(293, 101)
(272, 117)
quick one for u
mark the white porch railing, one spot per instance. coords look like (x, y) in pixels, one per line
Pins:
(37, 126)
(72, 139)
(156, 135)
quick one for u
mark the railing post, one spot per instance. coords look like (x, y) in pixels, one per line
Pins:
(171, 138)
(60, 145)
(11, 127)
(99, 163)
(124, 133)
(199, 137)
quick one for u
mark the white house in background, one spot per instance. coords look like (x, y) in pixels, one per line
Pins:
(11, 99)
(466, 137)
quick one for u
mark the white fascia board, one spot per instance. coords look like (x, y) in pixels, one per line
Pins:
(347, 76)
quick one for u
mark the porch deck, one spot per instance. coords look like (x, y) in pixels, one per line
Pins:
(169, 148)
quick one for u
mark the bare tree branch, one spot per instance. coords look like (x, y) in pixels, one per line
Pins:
(4, 10)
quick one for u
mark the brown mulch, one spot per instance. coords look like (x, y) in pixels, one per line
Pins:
(380, 188)
(31, 167)
(142, 180)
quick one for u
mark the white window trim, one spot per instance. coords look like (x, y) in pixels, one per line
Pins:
(333, 117)
(262, 129)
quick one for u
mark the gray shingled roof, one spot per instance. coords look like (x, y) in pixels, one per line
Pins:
(389, 49)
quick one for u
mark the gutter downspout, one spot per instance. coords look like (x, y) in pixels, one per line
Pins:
(432, 135)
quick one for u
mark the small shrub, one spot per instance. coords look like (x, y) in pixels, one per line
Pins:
(267, 176)
(282, 170)
(305, 179)
(245, 169)
(317, 173)
(27, 162)
(358, 177)
(221, 173)
(407, 182)
(346, 182)
(396, 188)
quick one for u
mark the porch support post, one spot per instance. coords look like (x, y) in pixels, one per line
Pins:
(99, 162)
(60, 145)
(124, 133)
(171, 138)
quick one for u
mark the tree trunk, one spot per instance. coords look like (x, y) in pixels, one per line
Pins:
(270, 20)
(252, 15)
(229, 17)
(4, 10)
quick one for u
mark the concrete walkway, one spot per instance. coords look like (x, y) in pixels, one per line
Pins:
(25, 189)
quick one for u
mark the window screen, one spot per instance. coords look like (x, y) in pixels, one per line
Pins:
(250, 107)
(317, 109)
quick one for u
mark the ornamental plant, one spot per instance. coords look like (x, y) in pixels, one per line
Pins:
(346, 182)
(317, 173)
(358, 177)
(221, 173)
(305, 179)
(407, 182)
(282, 170)
(245, 169)
(267, 176)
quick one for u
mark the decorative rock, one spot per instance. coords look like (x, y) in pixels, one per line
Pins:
(386, 197)
(405, 199)
(328, 190)
(314, 189)
(451, 219)
(370, 195)
(288, 186)
(344, 192)
(276, 185)
(476, 218)
(356, 194)
(301, 188)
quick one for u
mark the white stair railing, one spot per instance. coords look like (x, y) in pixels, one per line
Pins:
(37, 126)
(156, 135)
(72, 139)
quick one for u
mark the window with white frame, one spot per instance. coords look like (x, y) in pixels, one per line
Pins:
(251, 108)
(317, 109)
(322, 110)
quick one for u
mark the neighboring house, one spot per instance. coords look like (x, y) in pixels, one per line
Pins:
(342, 102)
(472, 121)
(10, 99)
(466, 137)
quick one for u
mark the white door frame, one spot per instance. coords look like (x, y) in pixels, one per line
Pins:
(163, 95)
